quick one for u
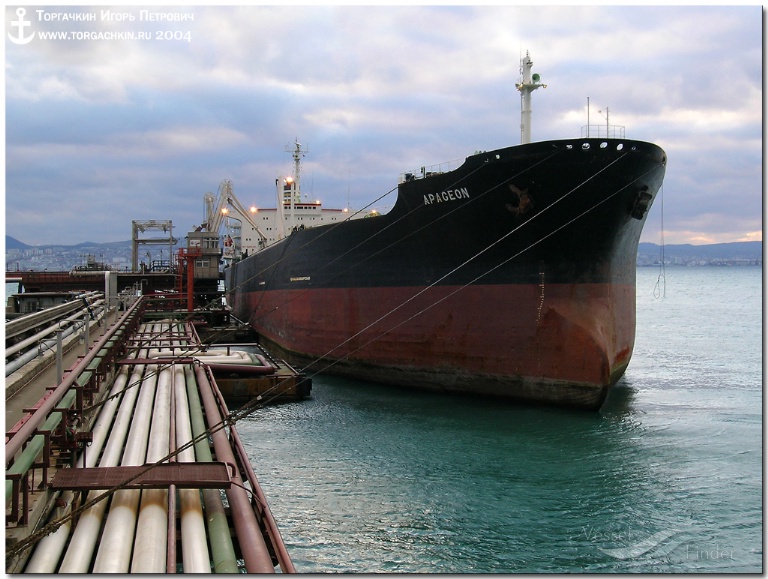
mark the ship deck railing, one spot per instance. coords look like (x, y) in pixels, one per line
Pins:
(603, 132)
(430, 170)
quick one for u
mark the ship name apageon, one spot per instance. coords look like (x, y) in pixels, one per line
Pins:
(450, 195)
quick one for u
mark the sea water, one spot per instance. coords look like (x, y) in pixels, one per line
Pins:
(666, 477)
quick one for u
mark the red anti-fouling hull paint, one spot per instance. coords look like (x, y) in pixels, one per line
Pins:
(561, 343)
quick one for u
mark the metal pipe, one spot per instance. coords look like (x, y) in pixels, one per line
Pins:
(283, 558)
(78, 556)
(222, 550)
(23, 323)
(27, 457)
(281, 552)
(65, 397)
(252, 545)
(149, 549)
(170, 565)
(38, 418)
(45, 346)
(114, 553)
(17, 347)
(49, 549)
(194, 547)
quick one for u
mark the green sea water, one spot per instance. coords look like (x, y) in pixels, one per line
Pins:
(666, 477)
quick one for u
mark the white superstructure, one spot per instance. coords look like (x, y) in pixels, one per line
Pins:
(246, 231)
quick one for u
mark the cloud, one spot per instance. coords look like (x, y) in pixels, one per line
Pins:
(150, 125)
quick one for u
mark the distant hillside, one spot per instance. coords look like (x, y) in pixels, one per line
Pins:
(736, 250)
(13, 243)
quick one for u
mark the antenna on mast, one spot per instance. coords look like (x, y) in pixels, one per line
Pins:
(292, 189)
(298, 154)
(528, 84)
(607, 119)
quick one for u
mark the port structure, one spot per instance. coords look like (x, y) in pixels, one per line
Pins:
(139, 227)
(131, 463)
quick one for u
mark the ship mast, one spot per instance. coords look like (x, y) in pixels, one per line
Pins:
(528, 84)
(297, 154)
(295, 185)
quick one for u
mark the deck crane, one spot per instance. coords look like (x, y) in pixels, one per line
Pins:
(222, 205)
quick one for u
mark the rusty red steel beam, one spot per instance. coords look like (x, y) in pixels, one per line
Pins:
(183, 474)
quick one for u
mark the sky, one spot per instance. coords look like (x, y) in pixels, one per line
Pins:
(137, 115)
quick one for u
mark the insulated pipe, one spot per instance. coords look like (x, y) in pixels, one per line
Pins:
(205, 355)
(222, 550)
(115, 546)
(211, 356)
(78, 556)
(255, 553)
(49, 549)
(194, 546)
(149, 549)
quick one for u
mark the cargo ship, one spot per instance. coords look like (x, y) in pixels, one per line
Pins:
(510, 276)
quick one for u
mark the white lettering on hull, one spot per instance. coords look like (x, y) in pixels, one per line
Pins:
(449, 195)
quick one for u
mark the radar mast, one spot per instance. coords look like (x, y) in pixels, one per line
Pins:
(528, 84)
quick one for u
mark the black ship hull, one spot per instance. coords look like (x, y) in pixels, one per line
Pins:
(512, 276)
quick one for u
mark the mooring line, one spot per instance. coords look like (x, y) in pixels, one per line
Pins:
(472, 258)
(410, 234)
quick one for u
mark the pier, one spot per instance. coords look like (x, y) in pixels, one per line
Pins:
(130, 460)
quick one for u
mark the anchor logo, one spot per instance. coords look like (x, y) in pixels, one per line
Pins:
(21, 24)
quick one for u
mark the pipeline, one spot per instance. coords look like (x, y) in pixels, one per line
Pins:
(78, 556)
(48, 550)
(76, 317)
(37, 443)
(44, 347)
(194, 548)
(61, 398)
(149, 548)
(114, 553)
(283, 558)
(243, 369)
(39, 417)
(24, 323)
(138, 528)
(255, 553)
(170, 564)
(224, 558)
